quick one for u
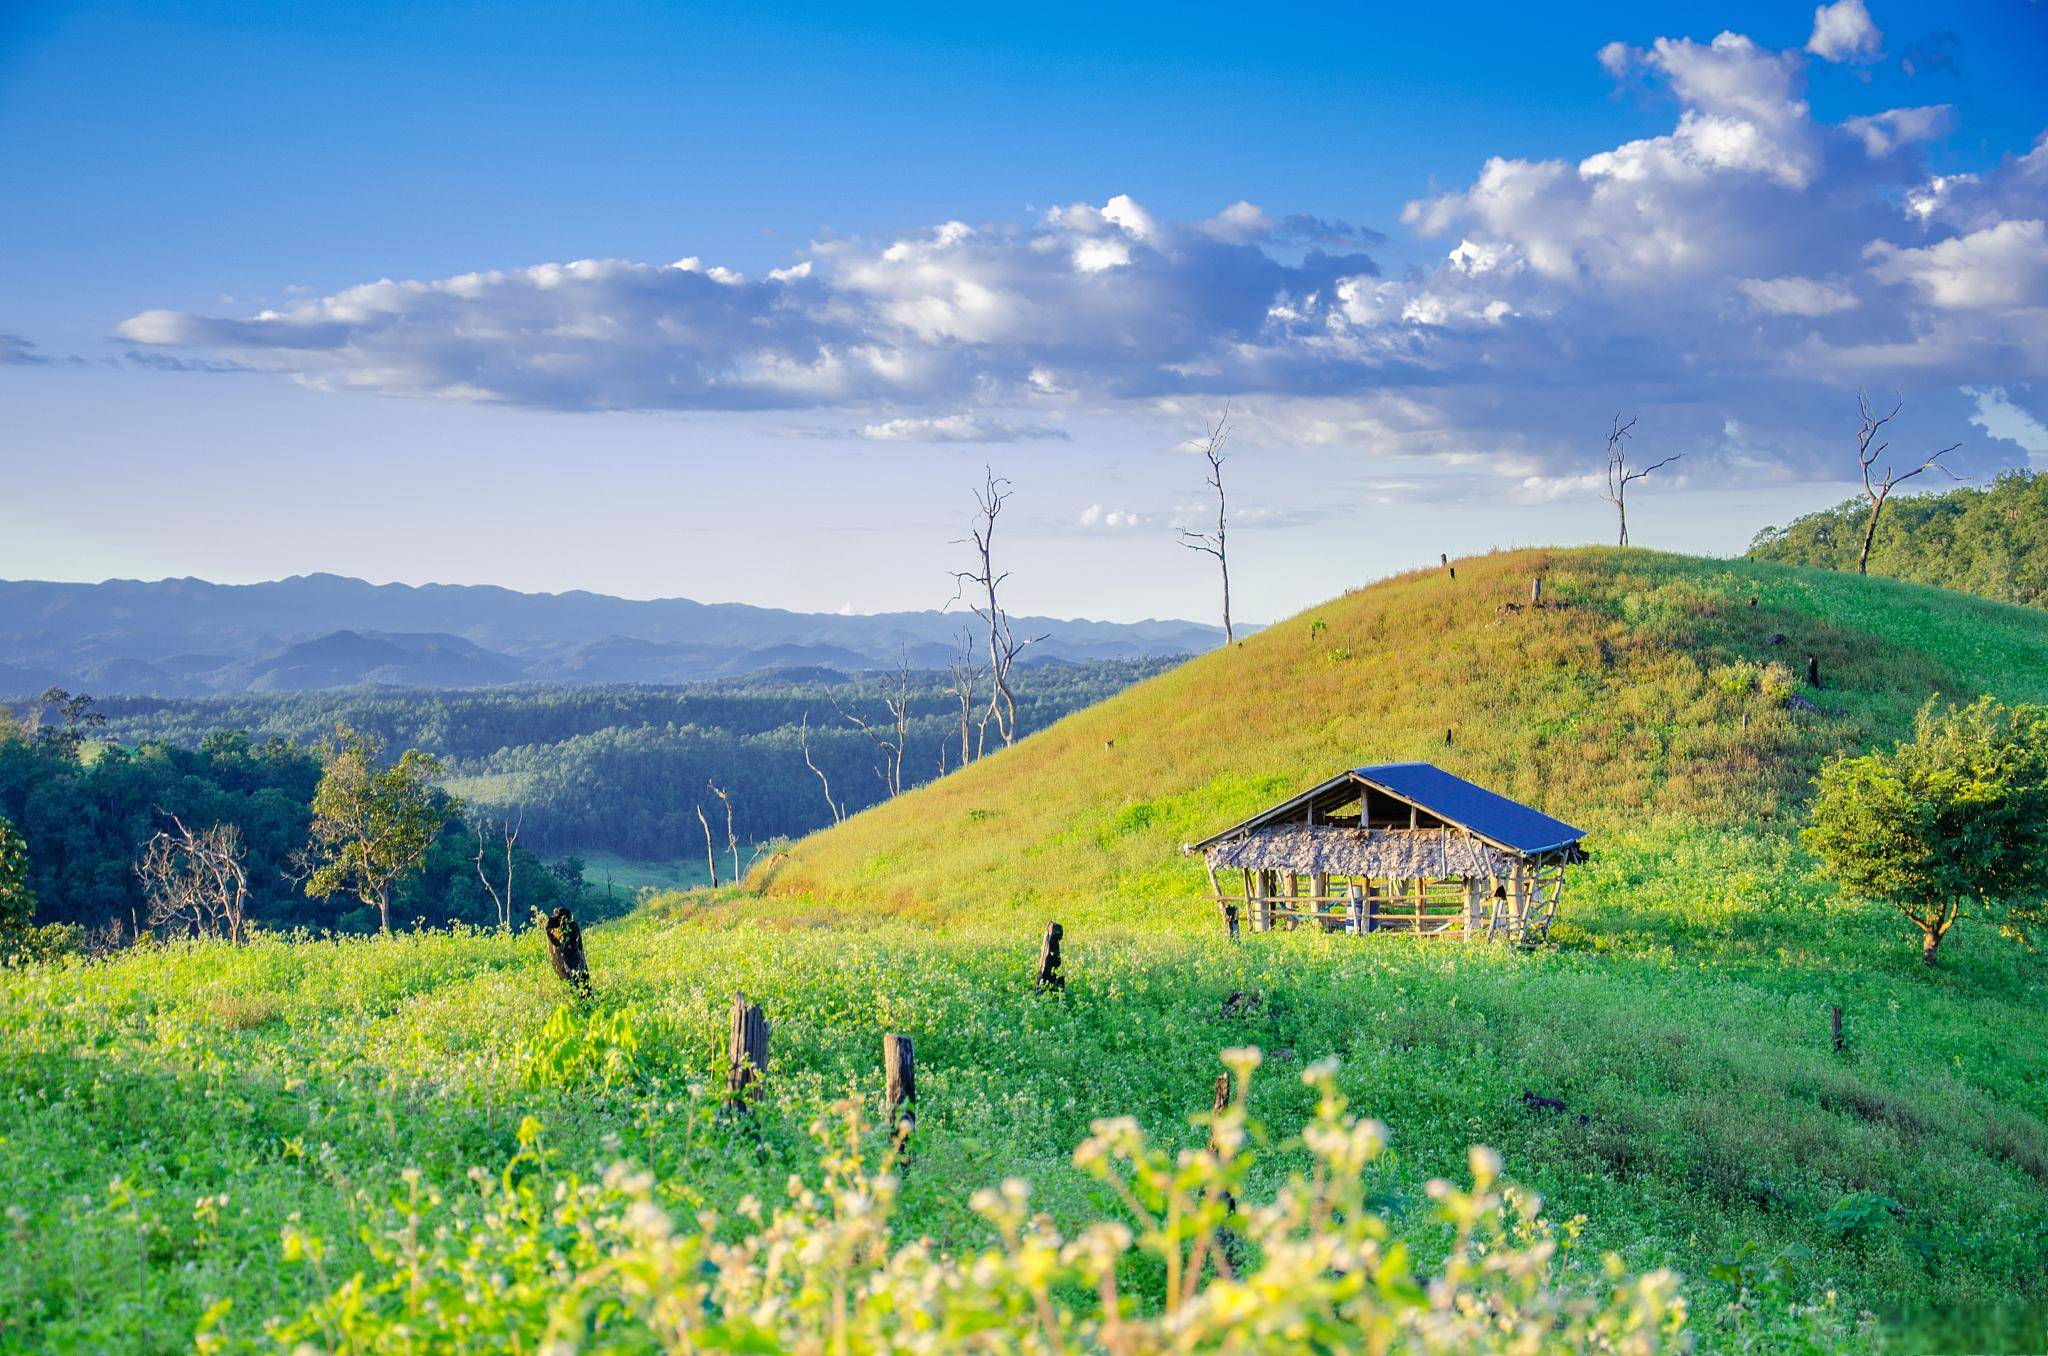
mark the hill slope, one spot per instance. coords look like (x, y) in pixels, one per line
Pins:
(1992, 542)
(1636, 700)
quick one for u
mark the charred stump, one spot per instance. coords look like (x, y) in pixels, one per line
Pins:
(565, 950)
(1049, 976)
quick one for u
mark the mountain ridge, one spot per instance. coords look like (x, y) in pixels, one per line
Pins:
(192, 637)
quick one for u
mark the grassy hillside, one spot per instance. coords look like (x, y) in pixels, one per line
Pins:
(1644, 702)
(1896, 1193)
(1991, 541)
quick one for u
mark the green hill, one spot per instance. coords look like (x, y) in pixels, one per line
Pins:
(1991, 542)
(1895, 1192)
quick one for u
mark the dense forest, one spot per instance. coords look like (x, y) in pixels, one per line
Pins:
(85, 808)
(624, 768)
(1992, 542)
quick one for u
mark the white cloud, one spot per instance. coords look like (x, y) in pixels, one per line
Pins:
(1749, 263)
(1797, 296)
(1110, 519)
(2002, 267)
(956, 428)
(1883, 133)
(1844, 31)
(1998, 416)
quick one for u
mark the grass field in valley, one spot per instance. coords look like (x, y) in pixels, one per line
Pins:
(213, 1138)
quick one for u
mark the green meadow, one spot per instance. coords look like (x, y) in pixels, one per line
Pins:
(207, 1143)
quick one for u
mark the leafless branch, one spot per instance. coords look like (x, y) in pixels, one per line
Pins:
(1870, 445)
(804, 737)
(1619, 477)
(1216, 543)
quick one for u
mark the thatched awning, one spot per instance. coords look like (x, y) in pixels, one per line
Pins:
(1397, 854)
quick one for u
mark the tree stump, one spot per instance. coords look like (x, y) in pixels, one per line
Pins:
(1536, 591)
(565, 950)
(1049, 976)
(1835, 1029)
(746, 1050)
(899, 1091)
(1813, 671)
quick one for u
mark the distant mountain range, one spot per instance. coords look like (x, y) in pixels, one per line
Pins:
(188, 637)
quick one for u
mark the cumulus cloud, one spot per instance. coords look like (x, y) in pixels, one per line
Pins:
(1109, 519)
(1750, 263)
(2002, 267)
(1844, 31)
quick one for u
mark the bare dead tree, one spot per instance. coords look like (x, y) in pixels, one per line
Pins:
(732, 843)
(710, 853)
(889, 740)
(965, 676)
(508, 836)
(1214, 543)
(1619, 477)
(986, 583)
(1868, 450)
(196, 881)
(804, 738)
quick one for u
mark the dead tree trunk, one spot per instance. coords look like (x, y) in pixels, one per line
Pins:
(1877, 489)
(710, 853)
(1619, 477)
(732, 843)
(746, 1051)
(1049, 976)
(1216, 543)
(804, 737)
(565, 950)
(899, 1092)
(1003, 645)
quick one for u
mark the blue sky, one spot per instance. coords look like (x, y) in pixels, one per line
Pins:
(1425, 258)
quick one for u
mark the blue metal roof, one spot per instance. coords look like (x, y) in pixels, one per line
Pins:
(1455, 800)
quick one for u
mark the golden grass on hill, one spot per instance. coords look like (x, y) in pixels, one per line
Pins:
(1647, 690)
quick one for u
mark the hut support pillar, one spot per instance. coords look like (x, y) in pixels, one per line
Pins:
(1354, 911)
(1475, 904)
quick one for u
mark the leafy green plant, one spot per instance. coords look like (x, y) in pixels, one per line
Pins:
(544, 1257)
(1956, 816)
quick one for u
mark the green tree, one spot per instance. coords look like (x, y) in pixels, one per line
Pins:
(1952, 818)
(372, 825)
(17, 901)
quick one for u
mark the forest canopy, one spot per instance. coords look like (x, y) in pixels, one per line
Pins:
(1992, 542)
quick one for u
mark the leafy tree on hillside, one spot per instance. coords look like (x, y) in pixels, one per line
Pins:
(1955, 817)
(1992, 542)
(17, 901)
(372, 825)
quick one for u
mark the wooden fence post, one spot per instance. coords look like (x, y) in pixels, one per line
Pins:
(746, 1050)
(899, 1091)
(1835, 1028)
(1049, 976)
(1536, 591)
(1354, 911)
(565, 950)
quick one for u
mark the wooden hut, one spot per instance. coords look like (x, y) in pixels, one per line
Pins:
(1395, 847)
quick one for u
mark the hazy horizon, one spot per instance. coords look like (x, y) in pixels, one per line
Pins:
(665, 302)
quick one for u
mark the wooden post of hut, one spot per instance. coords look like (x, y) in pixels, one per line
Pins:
(1355, 910)
(1475, 904)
